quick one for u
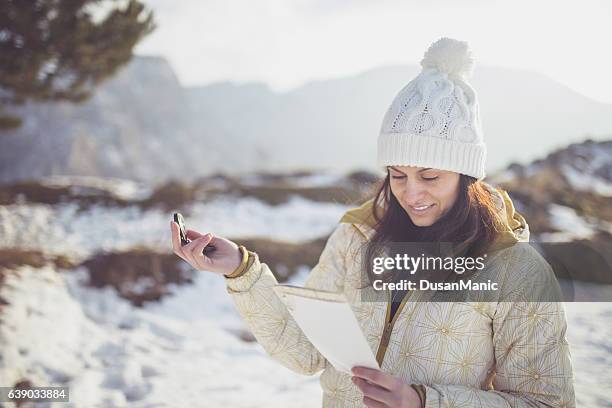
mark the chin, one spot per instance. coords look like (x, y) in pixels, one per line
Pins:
(423, 223)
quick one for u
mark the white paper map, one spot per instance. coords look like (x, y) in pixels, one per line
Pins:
(329, 323)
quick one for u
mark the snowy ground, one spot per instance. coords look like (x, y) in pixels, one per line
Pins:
(184, 351)
(589, 333)
(63, 230)
(175, 354)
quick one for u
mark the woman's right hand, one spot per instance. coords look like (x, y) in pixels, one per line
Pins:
(223, 261)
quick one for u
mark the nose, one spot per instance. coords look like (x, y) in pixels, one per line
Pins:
(414, 194)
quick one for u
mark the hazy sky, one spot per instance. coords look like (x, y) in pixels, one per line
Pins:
(288, 42)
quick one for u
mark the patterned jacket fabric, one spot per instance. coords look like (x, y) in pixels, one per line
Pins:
(503, 352)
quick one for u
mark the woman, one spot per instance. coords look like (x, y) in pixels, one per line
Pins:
(505, 352)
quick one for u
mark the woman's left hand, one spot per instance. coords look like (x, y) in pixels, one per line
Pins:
(382, 390)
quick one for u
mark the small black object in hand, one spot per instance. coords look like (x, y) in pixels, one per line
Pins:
(178, 218)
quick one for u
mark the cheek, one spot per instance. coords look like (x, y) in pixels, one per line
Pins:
(396, 190)
(447, 195)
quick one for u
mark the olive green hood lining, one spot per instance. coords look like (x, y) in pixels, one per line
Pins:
(511, 227)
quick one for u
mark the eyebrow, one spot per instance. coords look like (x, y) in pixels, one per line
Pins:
(420, 171)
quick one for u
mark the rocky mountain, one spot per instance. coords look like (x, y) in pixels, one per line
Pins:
(577, 177)
(136, 126)
(567, 199)
(334, 123)
(143, 125)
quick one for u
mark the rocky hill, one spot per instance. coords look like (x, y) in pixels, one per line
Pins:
(136, 126)
(143, 125)
(567, 199)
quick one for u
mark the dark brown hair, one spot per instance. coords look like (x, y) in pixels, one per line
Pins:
(470, 224)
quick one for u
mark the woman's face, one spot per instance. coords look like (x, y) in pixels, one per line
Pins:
(425, 194)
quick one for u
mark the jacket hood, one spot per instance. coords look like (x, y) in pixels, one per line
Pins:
(511, 227)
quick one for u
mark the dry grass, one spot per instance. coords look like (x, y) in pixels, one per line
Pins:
(138, 275)
(141, 275)
(11, 258)
(280, 195)
(35, 192)
(285, 258)
(275, 189)
(171, 195)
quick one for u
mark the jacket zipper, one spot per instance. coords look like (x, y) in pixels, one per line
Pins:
(389, 323)
(388, 329)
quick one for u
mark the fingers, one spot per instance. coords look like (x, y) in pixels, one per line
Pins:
(176, 242)
(199, 247)
(188, 249)
(376, 377)
(374, 392)
(191, 251)
(370, 403)
(188, 252)
(193, 235)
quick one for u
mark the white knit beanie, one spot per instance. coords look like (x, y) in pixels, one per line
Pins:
(434, 121)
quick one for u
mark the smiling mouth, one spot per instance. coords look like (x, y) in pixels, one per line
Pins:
(421, 209)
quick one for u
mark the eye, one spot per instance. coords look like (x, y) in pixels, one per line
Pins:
(430, 178)
(397, 177)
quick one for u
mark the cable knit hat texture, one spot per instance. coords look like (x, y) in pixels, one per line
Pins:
(434, 121)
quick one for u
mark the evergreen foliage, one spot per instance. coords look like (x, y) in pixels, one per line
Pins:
(58, 49)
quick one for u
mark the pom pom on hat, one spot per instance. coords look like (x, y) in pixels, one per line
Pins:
(451, 56)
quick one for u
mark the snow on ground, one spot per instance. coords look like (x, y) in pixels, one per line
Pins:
(180, 352)
(61, 229)
(121, 188)
(297, 220)
(584, 181)
(309, 180)
(571, 226)
(111, 354)
(183, 351)
(589, 333)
